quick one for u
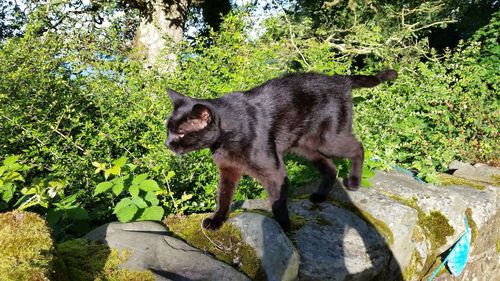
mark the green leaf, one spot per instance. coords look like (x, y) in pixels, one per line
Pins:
(115, 170)
(77, 213)
(129, 167)
(149, 185)
(139, 178)
(126, 213)
(13, 176)
(117, 186)
(120, 162)
(170, 175)
(134, 190)
(139, 202)
(186, 197)
(154, 213)
(53, 216)
(99, 167)
(102, 187)
(367, 173)
(151, 198)
(7, 191)
(10, 160)
(124, 202)
(69, 200)
(57, 183)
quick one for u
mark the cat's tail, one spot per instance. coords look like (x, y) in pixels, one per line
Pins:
(368, 81)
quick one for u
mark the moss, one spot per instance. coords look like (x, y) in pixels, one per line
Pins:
(83, 260)
(495, 180)
(438, 228)
(445, 179)
(472, 225)
(320, 220)
(435, 226)
(27, 252)
(410, 271)
(225, 244)
(297, 222)
(379, 225)
(26, 247)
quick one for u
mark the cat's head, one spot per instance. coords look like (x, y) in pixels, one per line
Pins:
(192, 125)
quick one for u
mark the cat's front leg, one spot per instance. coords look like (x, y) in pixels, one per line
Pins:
(228, 180)
(276, 186)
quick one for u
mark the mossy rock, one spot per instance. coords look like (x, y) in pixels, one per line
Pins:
(379, 225)
(436, 228)
(26, 247)
(27, 252)
(83, 260)
(445, 180)
(224, 244)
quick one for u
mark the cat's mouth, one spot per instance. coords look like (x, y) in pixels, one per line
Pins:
(178, 150)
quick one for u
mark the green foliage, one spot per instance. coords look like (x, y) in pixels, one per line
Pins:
(142, 204)
(63, 213)
(10, 176)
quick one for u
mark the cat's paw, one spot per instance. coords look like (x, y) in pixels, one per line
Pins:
(317, 198)
(352, 183)
(285, 224)
(211, 224)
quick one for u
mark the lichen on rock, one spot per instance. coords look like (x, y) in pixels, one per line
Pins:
(224, 244)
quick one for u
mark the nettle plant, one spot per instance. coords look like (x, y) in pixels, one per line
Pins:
(142, 202)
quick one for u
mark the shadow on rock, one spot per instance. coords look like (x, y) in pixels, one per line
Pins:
(338, 241)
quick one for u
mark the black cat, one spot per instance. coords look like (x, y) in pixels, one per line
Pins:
(248, 132)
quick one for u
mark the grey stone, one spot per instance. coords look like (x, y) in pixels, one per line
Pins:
(336, 244)
(400, 218)
(484, 258)
(168, 258)
(254, 204)
(478, 172)
(451, 201)
(279, 258)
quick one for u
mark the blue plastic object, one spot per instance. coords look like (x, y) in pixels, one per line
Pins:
(457, 257)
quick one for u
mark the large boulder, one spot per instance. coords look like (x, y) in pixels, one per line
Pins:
(167, 257)
(337, 244)
(450, 201)
(278, 256)
(478, 172)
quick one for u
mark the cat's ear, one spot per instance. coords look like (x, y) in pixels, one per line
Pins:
(200, 117)
(175, 96)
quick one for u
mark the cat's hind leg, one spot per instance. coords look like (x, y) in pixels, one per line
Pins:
(329, 172)
(325, 167)
(345, 146)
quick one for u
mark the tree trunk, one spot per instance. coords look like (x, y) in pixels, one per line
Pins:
(162, 25)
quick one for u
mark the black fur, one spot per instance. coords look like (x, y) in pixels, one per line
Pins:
(248, 132)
